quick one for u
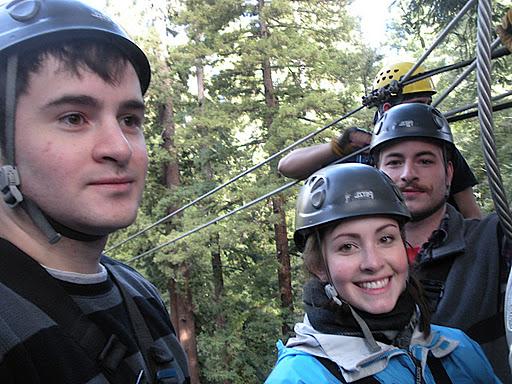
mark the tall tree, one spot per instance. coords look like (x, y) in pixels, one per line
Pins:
(283, 256)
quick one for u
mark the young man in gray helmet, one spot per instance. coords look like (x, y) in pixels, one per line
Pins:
(73, 167)
(463, 264)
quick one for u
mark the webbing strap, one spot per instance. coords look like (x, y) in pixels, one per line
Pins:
(169, 374)
(433, 277)
(488, 329)
(437, 369)
(335, 370)
(10, 108)
(43, 291)
(141, 330)
(435, 365)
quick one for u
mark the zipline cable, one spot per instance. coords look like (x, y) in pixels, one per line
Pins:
(439, 39)
(454, 111)
(496, 54)
(463, 76)
(216, 220)
(239, 176)
(469, 115)
(232, 212)
(485, 116)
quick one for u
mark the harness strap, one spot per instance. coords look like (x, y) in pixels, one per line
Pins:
(46, 293)
(433, 279)
(142, 332)
(164, 368)
(437, 369)
(488, 329)
(336, 372)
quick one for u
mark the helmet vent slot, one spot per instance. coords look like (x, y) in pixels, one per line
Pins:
(318, 192)
(24, 10)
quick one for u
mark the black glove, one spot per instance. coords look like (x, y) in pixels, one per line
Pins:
(351, 140)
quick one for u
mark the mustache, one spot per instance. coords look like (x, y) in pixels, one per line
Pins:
(412, 185)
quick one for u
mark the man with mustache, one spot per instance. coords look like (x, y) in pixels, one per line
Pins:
(462, 263)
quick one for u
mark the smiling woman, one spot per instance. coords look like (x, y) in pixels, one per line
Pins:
(366, 315)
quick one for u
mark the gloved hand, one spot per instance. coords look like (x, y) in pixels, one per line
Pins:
(351, 140)
(505, 30)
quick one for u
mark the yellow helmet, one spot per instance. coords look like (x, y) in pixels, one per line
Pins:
(397, 71)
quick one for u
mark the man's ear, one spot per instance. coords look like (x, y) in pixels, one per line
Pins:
(449, 173)
(386, 107)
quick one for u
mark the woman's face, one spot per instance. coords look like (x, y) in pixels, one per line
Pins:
(368, 262)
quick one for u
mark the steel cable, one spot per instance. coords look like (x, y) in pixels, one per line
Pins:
(485, 116)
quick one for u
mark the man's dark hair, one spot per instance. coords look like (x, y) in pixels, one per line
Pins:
(100, 57)
(104, 59)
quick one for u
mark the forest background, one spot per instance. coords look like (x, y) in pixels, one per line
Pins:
(235, 82)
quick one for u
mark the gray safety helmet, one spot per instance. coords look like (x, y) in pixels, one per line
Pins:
(25, 24)
(345, 191)
(411, 120)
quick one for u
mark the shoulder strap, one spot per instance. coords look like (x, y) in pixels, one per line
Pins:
(437, 369)
(489, 329)
(433, 279)
(46, 293)
(335, 370)
(169, 374)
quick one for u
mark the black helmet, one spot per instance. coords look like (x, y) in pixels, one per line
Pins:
(23, 22)
(411, 120)
(345, 191)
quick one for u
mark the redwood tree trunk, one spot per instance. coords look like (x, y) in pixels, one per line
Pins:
(182, 315)
(282, 251)
(283, 256)
(187, 325)
(218, 281)
(175, 306)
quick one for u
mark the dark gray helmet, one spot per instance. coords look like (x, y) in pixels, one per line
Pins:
(345, 191)
(411, 120)
(46, 21)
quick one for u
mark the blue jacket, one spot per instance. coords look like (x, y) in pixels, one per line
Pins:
(461, 357)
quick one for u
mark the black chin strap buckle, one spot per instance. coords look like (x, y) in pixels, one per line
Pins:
(9, 182)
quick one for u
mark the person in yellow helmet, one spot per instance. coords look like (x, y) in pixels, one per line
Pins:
(420, 91)
(302, 162)
(397, 71)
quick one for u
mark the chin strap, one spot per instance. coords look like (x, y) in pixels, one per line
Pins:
(71, 233)
(370, 340)
(40, 221)
(9, 176)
